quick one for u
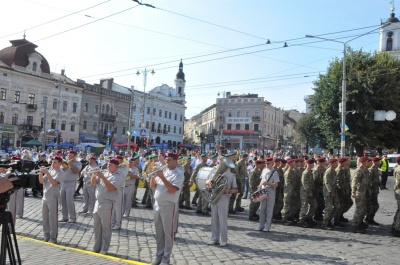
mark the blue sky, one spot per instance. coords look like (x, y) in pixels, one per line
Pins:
(157, 38)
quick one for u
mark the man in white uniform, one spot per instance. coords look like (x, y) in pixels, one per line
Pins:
(89, 191)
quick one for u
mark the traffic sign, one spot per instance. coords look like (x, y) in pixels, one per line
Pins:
(55, 131)
(108, 133)
(143, 132)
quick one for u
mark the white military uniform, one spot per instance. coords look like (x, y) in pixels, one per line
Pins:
(165, 211)
(130, 186)
(267, 206)
(51, 195)
(89, 190)
(68, 192)
(103, 209)
(219, 212)
(119, 204)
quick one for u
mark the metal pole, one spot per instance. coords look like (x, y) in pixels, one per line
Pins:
(44, 122)
(130, 122)
(343, 129)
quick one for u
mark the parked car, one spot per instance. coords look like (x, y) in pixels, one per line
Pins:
(392, 162)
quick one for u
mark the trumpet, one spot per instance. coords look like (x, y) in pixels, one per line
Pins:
(65, 163)
(94, 171)
(36, 171)
(145, 175)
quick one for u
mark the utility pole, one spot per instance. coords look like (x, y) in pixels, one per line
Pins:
(44, 122)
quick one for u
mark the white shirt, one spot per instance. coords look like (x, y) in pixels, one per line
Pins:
(265, 175)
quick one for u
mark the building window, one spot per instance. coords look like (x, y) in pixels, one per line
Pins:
(169, 116)
(169, 128)
(86, 108)
(96, 109)
(95, 126)
(55, 101)
(41, 122)
(123, 130)
(237, 126)
(181, 117)
(17, 96)
(147, 124)
(53, 124)
(238, 113)
(133, 122)
(176, 116)
(256, 127)
(154, 111)
(180, 130)
(229, 113)
(65, 105)
(34, 66)
(63, 125)
(84, 125)
(107, 109)
(116, 114)
(73, 127)
(31, 98)
(257, 112)
(134, 107)
(166, 114)
(29, 120)
(229, 126)
(148, 110)
(160, 113)
(174, 129)
(1, 117)
(247, 126)
(247, 113)
(3, 92)
(15, 119)
(72, 141)
(74, 107)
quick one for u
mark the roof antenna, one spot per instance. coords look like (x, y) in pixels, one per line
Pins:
(24, 34)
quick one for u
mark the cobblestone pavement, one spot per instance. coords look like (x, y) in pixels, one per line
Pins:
(282, 245)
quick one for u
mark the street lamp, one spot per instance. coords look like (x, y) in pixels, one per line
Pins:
(130, 121)
(144, 72)
(343, 112)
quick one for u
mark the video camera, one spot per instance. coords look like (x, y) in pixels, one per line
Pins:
(19, 170)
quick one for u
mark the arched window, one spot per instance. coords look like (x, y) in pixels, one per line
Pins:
(34, 66)
(73, 127)
(169, 128)
(107, 109)
(53, 124)
(174, 129)
(63, 124)
(165, 128)
(159, 128)
(153, 125)
(389, 44)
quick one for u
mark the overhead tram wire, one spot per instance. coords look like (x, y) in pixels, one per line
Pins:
(53, 20)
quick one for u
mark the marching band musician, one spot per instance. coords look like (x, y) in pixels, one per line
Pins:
(51, 179)
(119, 204)
(148, 166)
(184, 200)
(278, 165)
(42, 162)
(166, 185)
(68, 188)
(106, 195)
(214, 159)
(254, 181)
(202, 205)
(89, 196)
(219, 209)
(130, 184)
(240, 174)
(269, 180)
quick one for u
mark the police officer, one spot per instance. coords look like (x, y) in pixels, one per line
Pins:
(254, 181)
(240, 174)
(360, 187)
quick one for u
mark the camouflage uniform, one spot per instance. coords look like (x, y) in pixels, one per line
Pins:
(375, 184)
(240, 175)
(185, 193)
(299, 172)
(202, 204)
(290, 201)
(279, 195)
(359, 186)
(254, 181)
(343, 185)
(396, 219)
(308, 203)
(318, 174)
(329, 191)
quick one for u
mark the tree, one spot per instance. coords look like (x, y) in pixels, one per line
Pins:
(373, 83)
(308, 131)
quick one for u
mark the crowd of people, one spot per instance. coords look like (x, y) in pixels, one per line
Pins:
(300, 191)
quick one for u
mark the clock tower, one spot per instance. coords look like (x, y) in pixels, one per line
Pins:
(180, 81)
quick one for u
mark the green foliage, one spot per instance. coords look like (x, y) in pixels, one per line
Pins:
(309, 131)
(373, 83)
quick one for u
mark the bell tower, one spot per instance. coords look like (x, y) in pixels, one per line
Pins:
(180, 81)
(389, 35)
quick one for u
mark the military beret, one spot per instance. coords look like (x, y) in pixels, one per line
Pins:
(230, 154)
(114, 161)
(342, 159)
(172, 155)
(332, 160)
(269, 160)
(283, 161)
(276, 159)
(244, 155)
(214, 156)
(203, 155)
(161, 153)
(290, 160)
(119, 157)
(58, 158)
(15, 158)
(259, 162)
(72, 152)
(321, 160)
(375, 159)
(398, 159)
(93, 157)
(58, 151)
(301, 159)
(310, 161)
(363, 159)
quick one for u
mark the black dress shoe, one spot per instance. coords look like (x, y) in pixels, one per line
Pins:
(232, 211)
(194, 203)
(339, 224)
(188, 208)
(327, 227)
(372, 222)
(344, 220)
(239, 209)
(198, 212)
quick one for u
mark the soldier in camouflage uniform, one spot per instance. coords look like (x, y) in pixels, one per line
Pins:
(290, 200)
(184, 200)
(308, 202)
(396, 219)
(240, 174)
(254, 181)
(202, 205)
(299, 171)
(373, 205)
(278, 165)
(318, 174)
(329, 191)
(343, 193)
(360, 187)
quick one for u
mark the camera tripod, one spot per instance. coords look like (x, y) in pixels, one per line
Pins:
(7, 244)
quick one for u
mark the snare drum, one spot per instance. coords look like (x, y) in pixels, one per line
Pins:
(260, 195)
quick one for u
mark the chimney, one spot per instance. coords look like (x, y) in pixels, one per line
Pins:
(63, 72)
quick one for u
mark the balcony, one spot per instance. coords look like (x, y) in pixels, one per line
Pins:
(256, 118)
(31, 107)
(108, 117)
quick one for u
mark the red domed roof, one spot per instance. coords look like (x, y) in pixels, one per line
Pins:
(19, 53)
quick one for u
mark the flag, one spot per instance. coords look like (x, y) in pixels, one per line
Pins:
(391, 3)
(128, 133)
(346, 128)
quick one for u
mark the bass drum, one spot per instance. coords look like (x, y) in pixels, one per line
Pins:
(205, 173)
